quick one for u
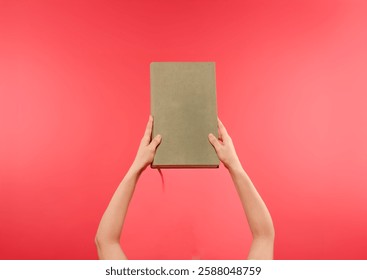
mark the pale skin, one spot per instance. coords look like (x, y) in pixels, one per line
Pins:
(258, 217)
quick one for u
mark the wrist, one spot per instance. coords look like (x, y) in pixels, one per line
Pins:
(135, 169)
(235, 167)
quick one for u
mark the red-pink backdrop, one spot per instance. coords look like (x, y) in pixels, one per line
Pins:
(291, 88)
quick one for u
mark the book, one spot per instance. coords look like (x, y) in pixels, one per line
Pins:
(184, 109)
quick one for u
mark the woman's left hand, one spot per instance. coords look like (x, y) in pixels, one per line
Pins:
(147, 148)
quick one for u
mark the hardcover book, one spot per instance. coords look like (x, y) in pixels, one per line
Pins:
(184, 109)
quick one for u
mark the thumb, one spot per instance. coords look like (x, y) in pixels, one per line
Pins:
(156, 141)
(214, 141)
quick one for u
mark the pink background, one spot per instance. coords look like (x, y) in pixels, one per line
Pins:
(291, 88)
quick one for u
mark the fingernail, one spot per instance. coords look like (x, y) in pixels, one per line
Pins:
(211, 135)
(159, 137)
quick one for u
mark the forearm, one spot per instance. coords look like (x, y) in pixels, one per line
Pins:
(111, 224)
(257, 214)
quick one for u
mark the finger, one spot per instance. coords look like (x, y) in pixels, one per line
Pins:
(214, 141)
(156, 141)
(148, 131)
(220, 137)
(222, 130)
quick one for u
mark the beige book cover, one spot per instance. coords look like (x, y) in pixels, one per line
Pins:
(184, 109)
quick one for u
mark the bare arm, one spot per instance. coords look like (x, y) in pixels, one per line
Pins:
(109, 231)
(257, 214)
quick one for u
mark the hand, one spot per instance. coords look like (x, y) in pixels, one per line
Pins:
(224, 147)
(147, 148)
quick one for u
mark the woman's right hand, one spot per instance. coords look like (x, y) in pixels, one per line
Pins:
(225, 148)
